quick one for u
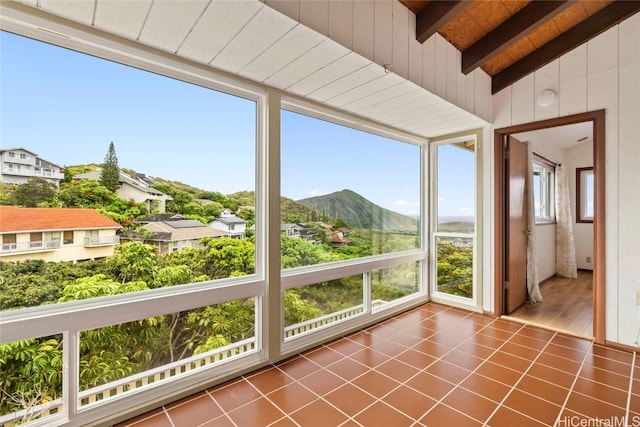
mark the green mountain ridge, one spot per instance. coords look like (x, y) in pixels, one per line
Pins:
(359, 212)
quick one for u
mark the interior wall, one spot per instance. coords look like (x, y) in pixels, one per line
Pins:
(580, 156)
(604, 73)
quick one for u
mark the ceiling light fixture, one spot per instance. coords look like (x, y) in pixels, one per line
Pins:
(546, 98)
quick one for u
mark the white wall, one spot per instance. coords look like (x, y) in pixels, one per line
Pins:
(580, 156)
(601, 74)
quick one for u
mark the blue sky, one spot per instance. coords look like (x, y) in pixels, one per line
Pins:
(67, 107)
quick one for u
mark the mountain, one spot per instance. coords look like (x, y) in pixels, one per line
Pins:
(359, 212)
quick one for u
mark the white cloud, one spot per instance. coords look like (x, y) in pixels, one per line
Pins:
(317, 192)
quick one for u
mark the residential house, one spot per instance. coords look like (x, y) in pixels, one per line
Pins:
(137, 189)
(55, 234)
(298, 231)
(232, 225)
(429, 74)
(337, 238)
(174, 235)
(19, 165)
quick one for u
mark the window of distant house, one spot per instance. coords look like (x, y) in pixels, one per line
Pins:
(35, 240)
(584, 194)
(8, 241)
(67, 237)
(23, 156)
(543, 189)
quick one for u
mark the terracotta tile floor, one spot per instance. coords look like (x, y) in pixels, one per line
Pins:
(432, 366)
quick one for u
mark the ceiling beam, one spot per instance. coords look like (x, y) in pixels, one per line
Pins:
(519, 25)
(598, 23)
(435, 15)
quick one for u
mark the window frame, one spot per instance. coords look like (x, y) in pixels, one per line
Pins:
(547, 189)
(474, 303)
(582, 174)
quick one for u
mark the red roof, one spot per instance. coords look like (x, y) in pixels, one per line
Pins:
(15, 219)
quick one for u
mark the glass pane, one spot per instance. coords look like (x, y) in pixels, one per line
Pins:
(455, 265)
(456, 188)
(537, 192)
(121, 358)
(389, 284)
(347, 193)
(312, 306)
(166, 146)
(588, 196)
(31, 375)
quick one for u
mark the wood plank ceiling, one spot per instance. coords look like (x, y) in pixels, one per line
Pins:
(509, 39)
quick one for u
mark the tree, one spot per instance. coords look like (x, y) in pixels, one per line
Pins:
(33, 192)
(110, 175)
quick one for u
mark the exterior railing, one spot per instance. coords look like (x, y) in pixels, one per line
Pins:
(101, 241)
(38, 246)
(53, 175)
(309, 325)
(131, 383)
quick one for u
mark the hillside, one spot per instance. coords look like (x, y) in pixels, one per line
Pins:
(359, 212)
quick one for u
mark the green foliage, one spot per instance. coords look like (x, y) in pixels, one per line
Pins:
(30, 373)
(227, 257)
(134, 261)
(455, 269)
(297, 253)
(33, 192)
(83, 194)
(110, 174)
(297, 310)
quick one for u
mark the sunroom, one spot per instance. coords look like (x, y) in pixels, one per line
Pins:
(299, 99)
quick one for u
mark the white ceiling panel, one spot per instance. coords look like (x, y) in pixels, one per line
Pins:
(122, 17)
(374, 86)
(358, 77)
(315, 59)
(329, 74)
(266, 27)
(291, 46)
(218, 25)
(381, 99)
(79, 11)
(169, 22)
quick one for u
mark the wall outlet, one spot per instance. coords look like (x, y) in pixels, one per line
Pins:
(637, 297)
(588, 260)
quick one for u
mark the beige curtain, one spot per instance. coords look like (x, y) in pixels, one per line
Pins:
(565, 246)
(533, 285)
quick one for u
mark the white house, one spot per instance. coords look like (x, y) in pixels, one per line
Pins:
(232, 225)
(19, 165)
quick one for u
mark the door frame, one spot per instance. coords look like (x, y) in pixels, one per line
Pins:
(598, 120)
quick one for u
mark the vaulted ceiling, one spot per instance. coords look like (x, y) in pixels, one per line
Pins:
(509, 39)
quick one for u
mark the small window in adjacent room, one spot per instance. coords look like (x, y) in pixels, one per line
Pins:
(584, 194)
(543, 189)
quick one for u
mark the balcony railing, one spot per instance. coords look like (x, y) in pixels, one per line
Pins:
(31, 172)
(101, 241)
(39, 246)
(134, 382)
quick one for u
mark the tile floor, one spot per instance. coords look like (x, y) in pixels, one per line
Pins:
(432, 366)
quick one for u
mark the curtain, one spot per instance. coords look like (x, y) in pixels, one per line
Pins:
(533, 285)
(565, 247)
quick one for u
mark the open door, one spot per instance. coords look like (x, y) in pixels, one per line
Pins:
(515, 288)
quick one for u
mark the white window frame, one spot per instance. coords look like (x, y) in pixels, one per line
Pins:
(546, 170)
(474, 303)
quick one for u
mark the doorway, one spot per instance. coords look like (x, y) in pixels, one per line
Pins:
(502, 205)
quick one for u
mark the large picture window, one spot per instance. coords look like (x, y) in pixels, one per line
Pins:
(346, 193)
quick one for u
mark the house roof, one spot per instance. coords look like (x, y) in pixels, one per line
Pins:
(230, 219)
(15, 219)
(30, 152)
(164, 231)
(125, 179)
